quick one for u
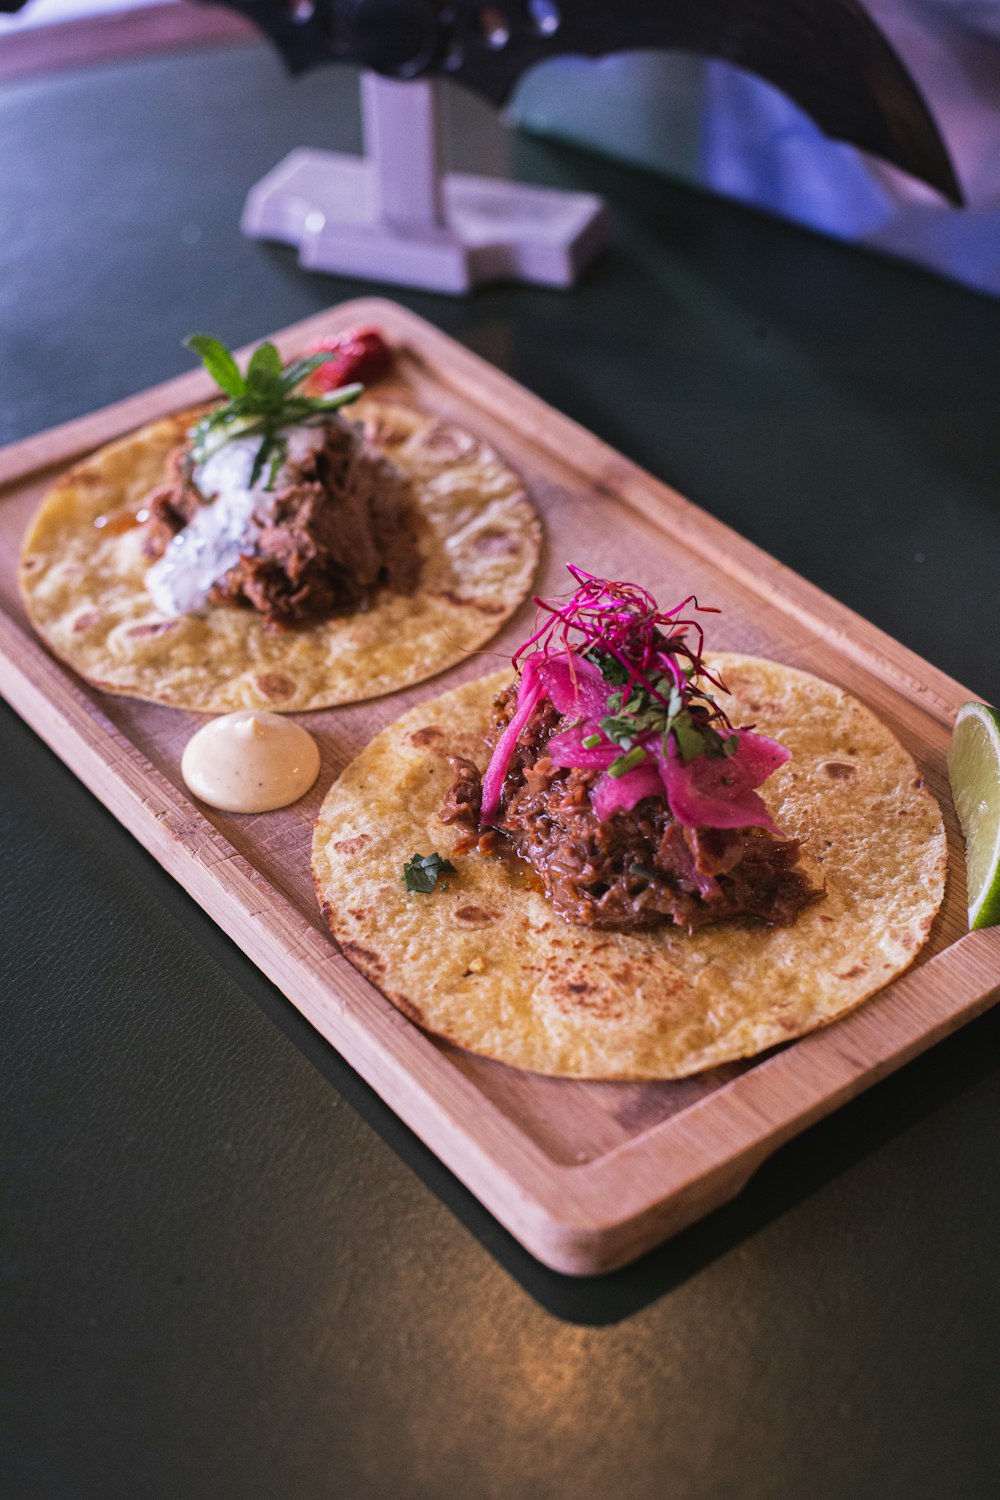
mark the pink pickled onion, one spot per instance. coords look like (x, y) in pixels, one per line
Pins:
(621, 623)
(568, 749)
(529, 692)
(707, 792)
(619, 794)
(718, 791)
(575, 686)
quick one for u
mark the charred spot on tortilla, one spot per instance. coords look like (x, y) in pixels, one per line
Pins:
(275, 685)
(292, 544)
(475, 916)
(352, 846)
(363, 957)
(150, 627)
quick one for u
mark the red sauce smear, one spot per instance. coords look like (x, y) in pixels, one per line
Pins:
(360, 354)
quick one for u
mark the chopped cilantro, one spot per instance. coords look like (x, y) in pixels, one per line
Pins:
(610, 668)
(658, 706)
(621, 728)
(628, 762)
(690, 740)
(421, 872)
(642, 712)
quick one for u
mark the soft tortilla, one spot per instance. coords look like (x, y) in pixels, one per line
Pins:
(488, 965)
(85, 594)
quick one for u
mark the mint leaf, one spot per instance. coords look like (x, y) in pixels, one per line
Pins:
(264, 402)
(264, 381)
(218, 361)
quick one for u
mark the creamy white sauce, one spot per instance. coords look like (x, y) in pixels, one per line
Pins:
(250, 761)
(230, 525)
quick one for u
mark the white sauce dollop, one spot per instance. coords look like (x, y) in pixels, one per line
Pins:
(250, 761)
(213, 541)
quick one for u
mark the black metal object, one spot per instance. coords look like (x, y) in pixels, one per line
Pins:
(826, 55)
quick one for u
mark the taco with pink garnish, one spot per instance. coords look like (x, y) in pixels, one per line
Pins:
(632, 858)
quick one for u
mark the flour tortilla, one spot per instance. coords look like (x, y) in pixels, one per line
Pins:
(488, 964)
(85, 594)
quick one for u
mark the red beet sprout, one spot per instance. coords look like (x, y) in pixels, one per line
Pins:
(623, 620)
(641, 719)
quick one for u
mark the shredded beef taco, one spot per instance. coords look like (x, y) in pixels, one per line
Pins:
(273, 551)
(632, 861)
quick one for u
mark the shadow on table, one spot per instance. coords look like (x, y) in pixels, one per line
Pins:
(797, 1171)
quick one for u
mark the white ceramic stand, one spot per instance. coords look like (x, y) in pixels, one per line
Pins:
(392, 215)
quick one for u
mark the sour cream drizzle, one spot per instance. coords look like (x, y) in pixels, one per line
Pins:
(230, 525)
(250, 761)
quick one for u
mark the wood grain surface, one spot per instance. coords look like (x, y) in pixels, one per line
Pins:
(586, 1175)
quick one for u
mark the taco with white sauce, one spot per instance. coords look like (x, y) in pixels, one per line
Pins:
(274, 551)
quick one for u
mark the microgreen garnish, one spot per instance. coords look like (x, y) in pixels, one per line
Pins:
(422, 871)
(645, 653)
(638, 677)
(264, 401)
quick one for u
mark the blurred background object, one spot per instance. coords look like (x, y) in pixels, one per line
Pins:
(53, 36)
(712, 124)
(766, 103)
(396, 214)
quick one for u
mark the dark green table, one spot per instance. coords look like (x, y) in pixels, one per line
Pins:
(228, 1269)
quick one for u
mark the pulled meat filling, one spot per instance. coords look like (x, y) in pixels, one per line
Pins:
(341, 527)
(639, 869)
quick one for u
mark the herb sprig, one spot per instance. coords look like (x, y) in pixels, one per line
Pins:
(265, 400)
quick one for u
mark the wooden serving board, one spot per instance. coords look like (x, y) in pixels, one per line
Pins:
(586, 1175)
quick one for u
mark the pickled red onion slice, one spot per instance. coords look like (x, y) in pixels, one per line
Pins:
(568, 749)
(619, 794)
(575, 686)
(529, 693)
(718, 791)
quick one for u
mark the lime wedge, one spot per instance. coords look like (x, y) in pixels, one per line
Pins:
(974, 770)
